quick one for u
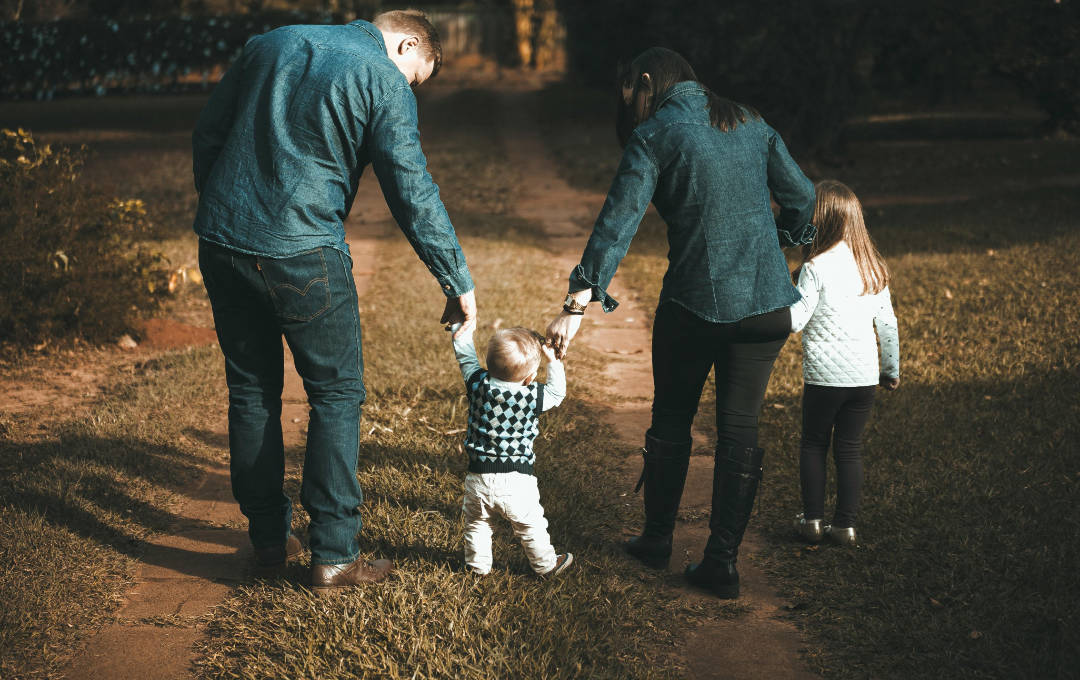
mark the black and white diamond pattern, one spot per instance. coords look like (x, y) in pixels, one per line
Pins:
(502, 423)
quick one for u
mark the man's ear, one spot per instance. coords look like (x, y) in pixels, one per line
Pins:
(408, 43)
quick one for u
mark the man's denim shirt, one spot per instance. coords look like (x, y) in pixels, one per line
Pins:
(280, 146)
(712, 189)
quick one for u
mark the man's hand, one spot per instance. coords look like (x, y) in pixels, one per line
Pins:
(889, 383)
(461, 310)
(562, 330)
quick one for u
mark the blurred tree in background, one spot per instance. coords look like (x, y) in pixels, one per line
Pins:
(809, 65)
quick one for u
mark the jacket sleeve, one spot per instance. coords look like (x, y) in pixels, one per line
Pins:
(213, 125)
(888, 336)
(465, 352)
(794, 193)
(410, 192)
(627, 200)
(555, 387)
(809, 287)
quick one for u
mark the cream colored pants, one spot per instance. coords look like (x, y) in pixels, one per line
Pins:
(512, 495)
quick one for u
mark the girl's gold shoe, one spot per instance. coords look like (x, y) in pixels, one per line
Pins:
(809, 530)
(841, 535)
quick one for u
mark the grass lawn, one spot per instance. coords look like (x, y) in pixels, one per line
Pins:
(970, 525)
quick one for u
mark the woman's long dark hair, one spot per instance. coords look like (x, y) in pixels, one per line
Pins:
(665, 68)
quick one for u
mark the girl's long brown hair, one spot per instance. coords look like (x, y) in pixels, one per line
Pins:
(838, 216)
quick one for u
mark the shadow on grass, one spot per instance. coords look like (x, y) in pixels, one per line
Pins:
(96, 489)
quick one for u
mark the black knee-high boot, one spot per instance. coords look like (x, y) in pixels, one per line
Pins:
(663, 476)
(735, 484)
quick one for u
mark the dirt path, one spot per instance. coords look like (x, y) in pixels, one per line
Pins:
(758, 643)
(190, 569)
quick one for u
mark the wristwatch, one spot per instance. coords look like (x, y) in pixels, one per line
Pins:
(572, 306)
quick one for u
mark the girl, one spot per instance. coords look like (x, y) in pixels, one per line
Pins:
(845, 295)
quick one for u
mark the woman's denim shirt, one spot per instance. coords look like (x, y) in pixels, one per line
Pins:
(712, 189)
(280, 146)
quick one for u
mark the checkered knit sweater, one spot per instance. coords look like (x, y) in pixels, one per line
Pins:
(503, 416)
(502, 425)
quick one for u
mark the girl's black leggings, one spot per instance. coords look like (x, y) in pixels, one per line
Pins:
(685, 348)
(840, 414)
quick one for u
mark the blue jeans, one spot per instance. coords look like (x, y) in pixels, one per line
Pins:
(309, 298)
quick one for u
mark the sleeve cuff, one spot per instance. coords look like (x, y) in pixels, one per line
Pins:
(456, 284)
(578, 281)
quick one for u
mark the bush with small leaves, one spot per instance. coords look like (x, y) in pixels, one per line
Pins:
(71, 263)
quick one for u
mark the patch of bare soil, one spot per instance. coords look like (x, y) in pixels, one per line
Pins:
(758, 643)
(165, 333)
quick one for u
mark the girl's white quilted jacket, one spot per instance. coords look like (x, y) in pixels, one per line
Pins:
(838, 324)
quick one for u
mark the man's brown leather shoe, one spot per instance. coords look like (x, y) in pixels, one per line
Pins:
(327, 578)
(278, 555)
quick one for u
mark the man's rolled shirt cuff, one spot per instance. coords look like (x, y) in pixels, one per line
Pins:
(578, 281)
(797, 237)
(455, 284)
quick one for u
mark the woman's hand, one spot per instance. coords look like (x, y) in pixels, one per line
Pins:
(562, 330)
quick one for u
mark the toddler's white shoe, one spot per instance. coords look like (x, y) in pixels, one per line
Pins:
(561, 563)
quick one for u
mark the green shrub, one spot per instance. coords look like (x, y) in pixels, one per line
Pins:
(70, 260)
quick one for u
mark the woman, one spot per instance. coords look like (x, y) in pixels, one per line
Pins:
(709, 165)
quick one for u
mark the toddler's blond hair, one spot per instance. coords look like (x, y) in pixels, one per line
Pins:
(513, 354)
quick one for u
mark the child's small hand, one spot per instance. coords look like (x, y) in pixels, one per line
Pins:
(547, 348)
(888, 383)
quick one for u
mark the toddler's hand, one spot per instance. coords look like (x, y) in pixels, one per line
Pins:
(547, 348)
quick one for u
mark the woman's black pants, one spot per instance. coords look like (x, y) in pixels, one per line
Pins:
(685, 348)
(839, 414)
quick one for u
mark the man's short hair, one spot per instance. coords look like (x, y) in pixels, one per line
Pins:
(513, 354)
(414, 22)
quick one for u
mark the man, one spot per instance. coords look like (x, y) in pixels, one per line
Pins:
(278, 153)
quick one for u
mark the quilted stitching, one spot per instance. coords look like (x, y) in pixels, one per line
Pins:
(839, 344)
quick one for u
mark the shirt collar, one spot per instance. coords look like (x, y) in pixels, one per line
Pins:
(371, 30)
(505, 385)
(679, 89)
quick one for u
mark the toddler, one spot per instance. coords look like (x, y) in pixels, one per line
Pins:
(505, 402)
(845, 297)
